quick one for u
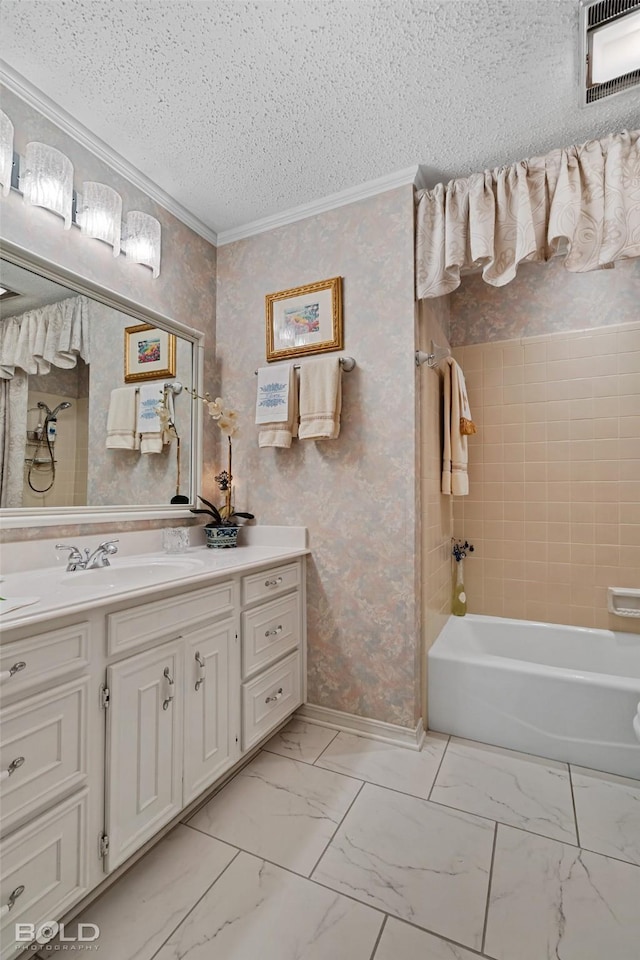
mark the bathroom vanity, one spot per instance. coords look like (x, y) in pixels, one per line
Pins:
(128, 693)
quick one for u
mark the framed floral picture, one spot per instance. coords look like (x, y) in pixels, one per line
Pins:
(304, 320)
(149, 353)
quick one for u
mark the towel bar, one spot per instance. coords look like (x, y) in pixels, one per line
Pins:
(432, 359)
(347, 364)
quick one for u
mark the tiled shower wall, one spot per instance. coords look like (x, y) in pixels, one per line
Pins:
(554, 505)
(436, 510)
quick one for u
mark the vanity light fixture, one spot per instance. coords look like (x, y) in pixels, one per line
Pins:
(6, 153)
(100, 215)
(142, 243)
(610, 47)
(47, 180)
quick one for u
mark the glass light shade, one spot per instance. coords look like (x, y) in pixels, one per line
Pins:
(47, 180)
(615, 48)
(101, 214)
(143, 240)
(6, 153)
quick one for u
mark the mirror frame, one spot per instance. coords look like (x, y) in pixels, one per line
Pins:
(12, 517)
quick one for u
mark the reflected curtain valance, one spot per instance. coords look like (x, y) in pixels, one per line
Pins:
(584, 199)
(54, 335)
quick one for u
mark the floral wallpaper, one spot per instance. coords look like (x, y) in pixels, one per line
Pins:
(356, 494)
(185, 289)
(544, 298)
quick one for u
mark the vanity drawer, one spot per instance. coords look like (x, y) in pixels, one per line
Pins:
(268, 631)
(261, 586)
(48, 858)
(269, 699)
(43, 750)
(47, 658)
(136, 626)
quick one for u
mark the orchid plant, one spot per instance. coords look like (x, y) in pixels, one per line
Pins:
(227, 421)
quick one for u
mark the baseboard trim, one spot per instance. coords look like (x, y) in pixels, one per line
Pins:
(407, 737)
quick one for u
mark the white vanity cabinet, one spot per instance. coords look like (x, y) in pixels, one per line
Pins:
(113, 724)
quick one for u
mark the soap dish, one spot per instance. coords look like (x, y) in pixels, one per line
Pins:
(623, 601)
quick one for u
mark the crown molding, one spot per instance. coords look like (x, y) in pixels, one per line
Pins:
(351, 195)
(22, 88)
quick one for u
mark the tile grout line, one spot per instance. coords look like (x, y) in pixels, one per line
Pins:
(324, 749)
(330, 841)
(573, 801)
(379, 937)
(486, 912)
(444, 753)
(189, 912)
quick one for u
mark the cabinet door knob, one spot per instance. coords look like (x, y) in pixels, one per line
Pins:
(169, 678)
(273, 583)
(13, 896)
(16, 668)
(13, 766)
(275, 697)
(274, 632)
(202, 670)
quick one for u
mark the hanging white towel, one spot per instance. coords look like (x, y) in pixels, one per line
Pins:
(320, 399)
(121, 420)
(457, 426)
(149, 424)
(280, 434)
(272, 399)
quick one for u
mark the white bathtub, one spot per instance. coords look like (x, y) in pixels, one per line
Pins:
(568, 693)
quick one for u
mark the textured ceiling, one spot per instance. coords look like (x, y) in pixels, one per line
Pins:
(242, 110)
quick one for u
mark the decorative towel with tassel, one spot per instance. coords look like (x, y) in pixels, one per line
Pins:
(149, 425)
(277, 406)
(121, 420)
(320, 399)
(458, 425)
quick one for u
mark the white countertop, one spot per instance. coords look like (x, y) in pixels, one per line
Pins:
(60, 595)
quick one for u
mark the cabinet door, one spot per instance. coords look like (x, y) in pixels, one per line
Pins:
(208, 747)
(144, 748)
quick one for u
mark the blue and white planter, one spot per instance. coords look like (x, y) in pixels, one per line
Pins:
(221, 537)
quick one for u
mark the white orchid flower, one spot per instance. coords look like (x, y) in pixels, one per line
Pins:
(214, 408)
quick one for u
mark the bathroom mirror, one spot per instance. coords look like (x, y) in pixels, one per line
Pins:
(89, 387)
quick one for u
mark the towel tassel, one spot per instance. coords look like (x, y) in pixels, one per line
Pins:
(467, 427)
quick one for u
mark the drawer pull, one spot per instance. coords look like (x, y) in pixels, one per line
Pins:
(13, 896)
(273, 583)
(169, 678)
(274, 632)
(275, 697)
(16, 668)
(13, 766)
(202, 670)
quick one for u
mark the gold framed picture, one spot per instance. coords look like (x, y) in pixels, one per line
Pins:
(304, 320)
(149, 353)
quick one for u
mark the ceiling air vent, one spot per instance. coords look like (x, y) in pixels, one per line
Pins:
(610, 48)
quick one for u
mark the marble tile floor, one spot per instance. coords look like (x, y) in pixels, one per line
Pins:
(329, 846)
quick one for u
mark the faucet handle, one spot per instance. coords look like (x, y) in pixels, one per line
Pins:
(109, 546)
(73, 551)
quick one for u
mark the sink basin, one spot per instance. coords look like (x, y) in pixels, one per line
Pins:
(130, 574)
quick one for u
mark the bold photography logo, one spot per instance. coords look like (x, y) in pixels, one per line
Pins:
(77, 938)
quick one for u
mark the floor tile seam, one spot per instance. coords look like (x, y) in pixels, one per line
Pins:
(444, 753)
(337, 734)
(578, 767)
(482, 816)
(395, 916)
(193, 907)
(379, 937)
(596, 853)
(488, 901)
(573, 804)
(287, 756)
(342, 819)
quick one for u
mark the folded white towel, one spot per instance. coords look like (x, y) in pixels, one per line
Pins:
(272, 399)
(280, 434)
(320, 399)
(457, 425)
(149, 424)
(121, 420)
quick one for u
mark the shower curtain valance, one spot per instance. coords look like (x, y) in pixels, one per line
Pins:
(51, 336)
(584, 199)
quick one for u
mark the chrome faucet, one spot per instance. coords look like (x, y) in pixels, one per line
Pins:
(89, 561)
